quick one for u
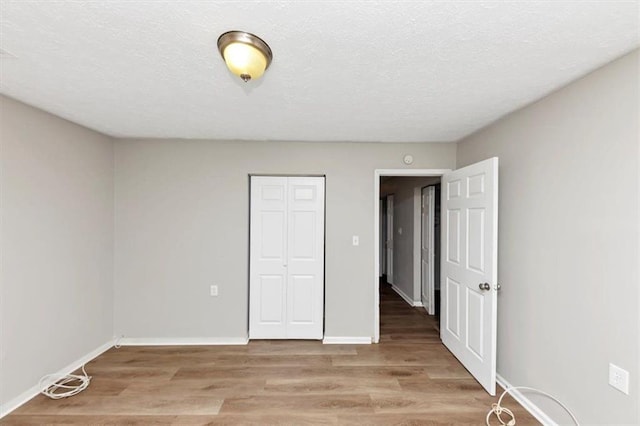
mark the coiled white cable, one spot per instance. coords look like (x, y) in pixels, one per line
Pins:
(65, 386)
(498, 409)
(117, 344)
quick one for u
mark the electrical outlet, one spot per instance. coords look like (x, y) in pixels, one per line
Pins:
(213, 290)
(619, 378)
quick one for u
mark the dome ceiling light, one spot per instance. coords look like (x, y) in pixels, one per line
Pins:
(245, 54)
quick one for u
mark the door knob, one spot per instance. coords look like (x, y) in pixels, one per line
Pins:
(484, 286)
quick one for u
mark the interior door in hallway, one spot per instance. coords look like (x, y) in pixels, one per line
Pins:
(286, 278)
(469, 268)
(427, 246)
(389, 239)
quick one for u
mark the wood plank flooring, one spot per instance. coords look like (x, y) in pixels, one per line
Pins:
(408, 379)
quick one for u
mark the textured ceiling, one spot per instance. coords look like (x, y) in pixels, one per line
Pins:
(342, 71)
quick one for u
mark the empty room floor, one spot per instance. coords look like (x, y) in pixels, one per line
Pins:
(409, 378)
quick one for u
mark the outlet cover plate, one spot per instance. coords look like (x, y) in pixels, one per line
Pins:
(619, 378)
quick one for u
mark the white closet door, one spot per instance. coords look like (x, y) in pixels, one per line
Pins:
(286, 283)
(268, 273)
(305, 268)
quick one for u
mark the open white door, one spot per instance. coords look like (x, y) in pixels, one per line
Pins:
(389, 241)
(427, 251)
(470, 267)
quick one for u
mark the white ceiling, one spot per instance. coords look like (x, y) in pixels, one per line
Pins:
(342, 71)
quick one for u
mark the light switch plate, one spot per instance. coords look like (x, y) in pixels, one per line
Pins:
(213, 290)
(356, 240)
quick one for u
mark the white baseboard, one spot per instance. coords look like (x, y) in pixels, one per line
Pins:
(25, 396)
(528, 405)
(182, 341)
(405, 297)
(339, 340)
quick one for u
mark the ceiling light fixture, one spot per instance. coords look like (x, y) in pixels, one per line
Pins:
(245, 54)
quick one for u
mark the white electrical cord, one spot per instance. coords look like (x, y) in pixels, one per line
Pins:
(498, 409)
(65, 386)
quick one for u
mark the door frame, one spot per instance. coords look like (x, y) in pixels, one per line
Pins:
(377, 173)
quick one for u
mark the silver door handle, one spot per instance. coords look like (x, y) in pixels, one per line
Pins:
(484, 286)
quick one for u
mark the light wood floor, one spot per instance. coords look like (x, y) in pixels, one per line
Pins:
(407, 379)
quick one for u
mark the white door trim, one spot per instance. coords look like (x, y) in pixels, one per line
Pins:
(377, 173)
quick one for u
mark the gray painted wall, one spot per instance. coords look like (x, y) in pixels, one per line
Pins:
(568, 242)
(181, 224)
(56, 279)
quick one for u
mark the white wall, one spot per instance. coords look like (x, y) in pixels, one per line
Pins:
(568, 242)
(405, 217)
(182, 224)
(56, 274)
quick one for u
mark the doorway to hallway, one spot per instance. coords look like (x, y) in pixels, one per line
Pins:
(469, 264)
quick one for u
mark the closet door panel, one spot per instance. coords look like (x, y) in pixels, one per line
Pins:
(268, 257)
(305, 271)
